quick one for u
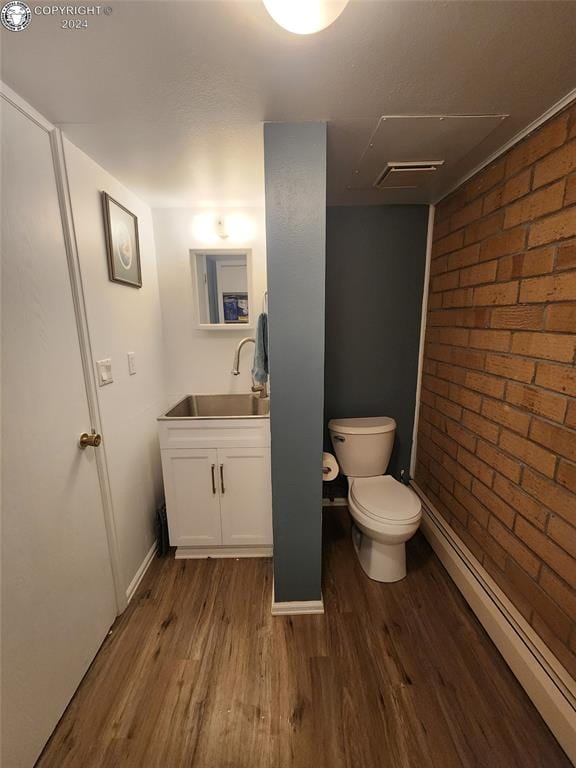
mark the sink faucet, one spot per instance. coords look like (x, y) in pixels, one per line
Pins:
(262, 388)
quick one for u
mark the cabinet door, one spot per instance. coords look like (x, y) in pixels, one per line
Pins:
(245, 496)
(192, 500)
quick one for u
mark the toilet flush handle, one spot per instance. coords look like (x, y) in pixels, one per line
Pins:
(339, 438)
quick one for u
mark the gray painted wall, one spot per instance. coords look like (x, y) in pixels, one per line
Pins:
(295, 171)
(375, 263)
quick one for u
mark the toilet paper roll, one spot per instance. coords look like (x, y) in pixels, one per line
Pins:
(330, 467)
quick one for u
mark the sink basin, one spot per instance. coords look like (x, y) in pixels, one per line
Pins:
(219, 407)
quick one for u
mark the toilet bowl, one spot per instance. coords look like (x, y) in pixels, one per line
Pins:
(385, 512)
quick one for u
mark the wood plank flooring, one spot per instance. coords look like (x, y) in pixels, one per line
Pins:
(198, 674)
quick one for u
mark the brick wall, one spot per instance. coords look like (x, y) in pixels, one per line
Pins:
(497, 434)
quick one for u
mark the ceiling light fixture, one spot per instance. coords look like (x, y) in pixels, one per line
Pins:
(304, 17)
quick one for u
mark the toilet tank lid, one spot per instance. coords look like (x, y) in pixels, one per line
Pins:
(372, 425)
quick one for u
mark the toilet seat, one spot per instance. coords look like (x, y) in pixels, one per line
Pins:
(385, 500)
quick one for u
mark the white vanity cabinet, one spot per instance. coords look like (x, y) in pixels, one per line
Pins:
(217, 485)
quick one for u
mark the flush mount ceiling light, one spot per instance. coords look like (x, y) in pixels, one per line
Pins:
(304, 17)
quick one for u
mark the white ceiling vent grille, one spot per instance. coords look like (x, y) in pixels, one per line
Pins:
(405, 174)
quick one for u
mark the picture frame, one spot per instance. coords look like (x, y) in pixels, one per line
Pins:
(122, 243)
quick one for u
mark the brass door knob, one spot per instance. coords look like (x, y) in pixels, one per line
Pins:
(93, 439)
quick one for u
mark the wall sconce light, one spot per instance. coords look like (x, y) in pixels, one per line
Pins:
(211, 229)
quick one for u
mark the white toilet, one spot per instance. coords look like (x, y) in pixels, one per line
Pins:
(386, 512)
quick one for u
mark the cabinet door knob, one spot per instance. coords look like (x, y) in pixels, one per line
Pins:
(222, 479)
(93, 439)
(213, 480)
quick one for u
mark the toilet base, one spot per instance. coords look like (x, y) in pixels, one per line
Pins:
(379, 561)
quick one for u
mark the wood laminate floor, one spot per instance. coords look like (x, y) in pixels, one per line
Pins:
(197, 673)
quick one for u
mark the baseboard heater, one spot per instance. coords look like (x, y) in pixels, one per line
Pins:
(549, 686)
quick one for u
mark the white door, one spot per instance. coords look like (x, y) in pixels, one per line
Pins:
(57, 591)
(192, 500)
(245, 496)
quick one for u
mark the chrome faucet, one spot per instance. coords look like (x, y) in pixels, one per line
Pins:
(262, 388)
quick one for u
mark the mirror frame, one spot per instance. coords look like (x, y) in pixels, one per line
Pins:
(194, 253)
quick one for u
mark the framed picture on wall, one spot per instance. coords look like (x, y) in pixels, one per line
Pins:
(123, 249)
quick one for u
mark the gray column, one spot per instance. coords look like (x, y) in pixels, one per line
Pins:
(295, 169)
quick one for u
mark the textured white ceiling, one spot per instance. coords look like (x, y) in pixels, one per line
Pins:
(170, 96)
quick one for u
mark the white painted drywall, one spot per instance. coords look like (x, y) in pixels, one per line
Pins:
(123, 319)
(200, 361)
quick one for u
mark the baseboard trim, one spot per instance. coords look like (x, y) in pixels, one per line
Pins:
(339, 501)
(139, 575)
(549, 686)
(296, 607)
(201, 553)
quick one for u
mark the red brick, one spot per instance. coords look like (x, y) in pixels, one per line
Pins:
(475, 466)
(511, 241)
(510, 367)
(514, 547)
(483, 228)
(488, 385)
(559, 226)
(444, 282)
(570, 419)
(467, 214)
(540, 143)
(566, 476)
(563, 534)
(499, 461)
(456, 336)
(570, 198)
(492, 201)
(558, 164)
(518, 600)
(560, 562)
(465, 397)
(546, 345)
(508, 417)
(528, 318)
(461, 436)
(560, 378)
(529, 264)
(535, 205)
(471, 504)
(524, 504)
(498, 293)
(566, 258)
(448, 408)
(494, 503)
(536, 400)
(550, 494)
(517, 186)
(528, 452)
(462, 297)
(488, 544)
(558, 439)
(561, 317)
(556, 619)
(560, 287)
(495, 341)
(479, 426)
(447, 244)
(559, 591)
(480, 273)
(464, 257)
(485, 180)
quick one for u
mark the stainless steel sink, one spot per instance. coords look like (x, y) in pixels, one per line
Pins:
(219, 407)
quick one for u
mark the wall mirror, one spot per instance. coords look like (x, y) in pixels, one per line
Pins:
(223, 289)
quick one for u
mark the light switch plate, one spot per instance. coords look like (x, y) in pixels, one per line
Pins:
(131, 363)
(104, 368)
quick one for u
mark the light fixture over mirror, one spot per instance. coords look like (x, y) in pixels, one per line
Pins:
(304, 17)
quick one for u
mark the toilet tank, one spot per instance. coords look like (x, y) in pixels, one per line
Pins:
(363, 446)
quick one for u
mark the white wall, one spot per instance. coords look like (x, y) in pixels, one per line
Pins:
(198, 361)
(123, 319)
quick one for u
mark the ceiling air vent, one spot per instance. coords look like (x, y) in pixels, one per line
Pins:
(405, 174)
